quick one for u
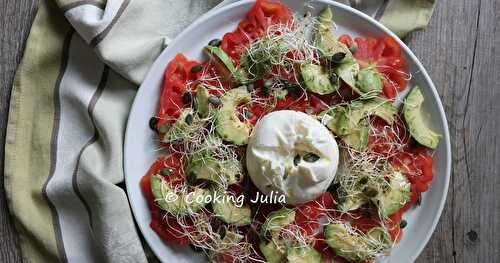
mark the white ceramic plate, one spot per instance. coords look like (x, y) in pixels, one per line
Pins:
(140, 145)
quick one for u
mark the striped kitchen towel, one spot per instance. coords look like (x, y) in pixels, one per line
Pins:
(72, 93)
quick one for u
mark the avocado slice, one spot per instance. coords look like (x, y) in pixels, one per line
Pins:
(272, 252)
(352, 246)
(379, 235)
(201, 100)
(317, 79)
(348, 246)
(347, 72)
(350, 122)
(222, 62)
(369, 83)
(358, 110)
(228, 125)
(228, 212)
(399, 194)
(325, 40)
(303, 255)
(352, 202)
(174, 203)
(357, 137)
(220, 172)
(278, 219)
(413, 115)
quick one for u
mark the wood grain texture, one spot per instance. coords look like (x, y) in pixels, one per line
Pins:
(460, 50)
(15, 22)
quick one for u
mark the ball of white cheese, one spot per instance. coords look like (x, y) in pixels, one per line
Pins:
(282, 156)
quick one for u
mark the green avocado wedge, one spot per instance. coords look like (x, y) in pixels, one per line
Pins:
(229, 127)
(391, 201)
(222, 62)
(325, 40)
(317, 79)
(354, 247)
(230, 213)
(175, 203)
(304, 254)
(201, 101)
(414, 118)
(272, 252)
(350, 123)
(369, 83)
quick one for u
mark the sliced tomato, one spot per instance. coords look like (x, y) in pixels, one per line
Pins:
(417, 166)
(262, 15)
(387, 139)
(168, 229)
(177, 75)
(346, 40)
(385, 54)
(308, 215)
(163, 224)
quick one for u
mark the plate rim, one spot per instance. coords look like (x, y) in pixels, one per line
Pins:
(216, 10)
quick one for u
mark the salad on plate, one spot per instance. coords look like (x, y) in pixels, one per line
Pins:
(284, 145)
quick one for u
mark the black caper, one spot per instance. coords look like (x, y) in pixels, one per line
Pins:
(164, 128)
(189, 119)
(338, 57)
(334, 79)
(403, 224)
(363, 180)
(296, 160)
(166, 171)
(187, 97)
(370, 192)
(196, 69)
(152, 123)
(215, 42)
(311, 157)
(214, 100)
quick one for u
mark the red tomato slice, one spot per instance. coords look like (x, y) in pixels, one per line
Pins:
(308, 215)
(176, 76)
(385, 54)
(262, 15)
(164, 225)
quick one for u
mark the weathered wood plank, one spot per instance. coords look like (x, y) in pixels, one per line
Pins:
(15, 22)
(459, 51)
(478, 229)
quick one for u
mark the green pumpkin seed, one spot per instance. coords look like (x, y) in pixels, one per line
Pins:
(311, 157)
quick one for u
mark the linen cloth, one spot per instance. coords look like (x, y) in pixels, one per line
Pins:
(82, 64)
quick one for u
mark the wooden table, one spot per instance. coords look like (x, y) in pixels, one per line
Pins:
(461, 51)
